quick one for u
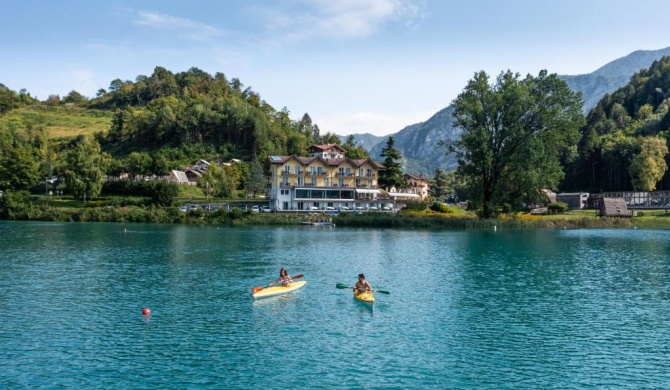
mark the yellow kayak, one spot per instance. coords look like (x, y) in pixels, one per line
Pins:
(279, 290)
(365, 296)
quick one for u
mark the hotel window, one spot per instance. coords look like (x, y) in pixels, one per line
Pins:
(340, 171)
(369, 172)
(360, 172)
(341, 182)
(287, 169)
(301, 181)
(348, 171)
(326, 182)
(297, 169)
(314, 181)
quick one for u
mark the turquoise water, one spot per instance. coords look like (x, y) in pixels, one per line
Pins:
(561, 309)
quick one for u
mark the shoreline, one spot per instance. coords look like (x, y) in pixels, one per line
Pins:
(427, 220)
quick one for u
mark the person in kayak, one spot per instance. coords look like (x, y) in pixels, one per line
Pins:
(362, 285)
(283, 278)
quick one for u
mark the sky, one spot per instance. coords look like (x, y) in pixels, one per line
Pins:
(355, 66)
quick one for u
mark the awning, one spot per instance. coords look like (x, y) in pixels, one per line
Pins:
(367, 191)
(402, 195)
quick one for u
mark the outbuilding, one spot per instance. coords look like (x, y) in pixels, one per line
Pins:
(615, 207)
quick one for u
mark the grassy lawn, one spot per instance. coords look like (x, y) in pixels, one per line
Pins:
(60, 121)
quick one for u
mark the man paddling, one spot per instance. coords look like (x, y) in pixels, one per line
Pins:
(362, 285)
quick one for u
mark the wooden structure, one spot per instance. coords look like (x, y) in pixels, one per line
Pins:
(615, 207)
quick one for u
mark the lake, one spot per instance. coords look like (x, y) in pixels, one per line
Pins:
(467, 309)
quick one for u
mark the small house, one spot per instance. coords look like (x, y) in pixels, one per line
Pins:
(178, 177)
(614, 207)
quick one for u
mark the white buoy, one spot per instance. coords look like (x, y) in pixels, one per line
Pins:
(495, 227)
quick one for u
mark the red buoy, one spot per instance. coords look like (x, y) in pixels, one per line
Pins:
(146, 311)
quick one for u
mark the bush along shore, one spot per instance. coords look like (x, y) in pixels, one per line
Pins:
(138, 210)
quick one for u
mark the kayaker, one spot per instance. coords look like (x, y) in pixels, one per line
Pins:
(362, 285)
(283, 278)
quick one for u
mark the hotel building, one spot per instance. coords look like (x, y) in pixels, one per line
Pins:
(325, 180)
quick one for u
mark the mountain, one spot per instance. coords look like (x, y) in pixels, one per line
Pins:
(418, 143)
(367, 140)
(612, 76)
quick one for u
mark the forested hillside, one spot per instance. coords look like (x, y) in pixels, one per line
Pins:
(147, 127)
(193, 107)
(624, 144)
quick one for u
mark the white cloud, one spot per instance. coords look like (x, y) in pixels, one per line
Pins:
(370, 122)
(338, 19)
(187, 28)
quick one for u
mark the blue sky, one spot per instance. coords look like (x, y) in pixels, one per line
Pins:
(355, 66)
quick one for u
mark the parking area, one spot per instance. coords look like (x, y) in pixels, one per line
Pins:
(211, 207)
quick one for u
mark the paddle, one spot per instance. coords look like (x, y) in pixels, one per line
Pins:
(342, 286)
(257, 289)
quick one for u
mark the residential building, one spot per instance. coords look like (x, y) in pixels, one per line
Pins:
(417, 185)
(575, 200)
(324, 180)
(178, 177)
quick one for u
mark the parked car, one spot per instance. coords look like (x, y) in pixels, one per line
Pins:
(255, 209)
(266, 209)
(184, 208)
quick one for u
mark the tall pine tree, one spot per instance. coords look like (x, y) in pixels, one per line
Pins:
(391, 175)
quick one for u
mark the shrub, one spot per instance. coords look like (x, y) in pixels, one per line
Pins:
(163, 193)
(440, 208)
(558, 207)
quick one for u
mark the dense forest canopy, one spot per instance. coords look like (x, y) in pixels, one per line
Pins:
(623, 145)
(160, 122)
(194, 107)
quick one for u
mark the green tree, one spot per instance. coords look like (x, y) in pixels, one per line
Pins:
(19, 170)
(9, 100)
(139, 163)
(163, 192)
(354, 151)
(648, 166)
(391, 174)
(514, 133)
(440, 186)
(75, 97)
(236, 174)
(214, 182)
(84, 168)
(256, 179)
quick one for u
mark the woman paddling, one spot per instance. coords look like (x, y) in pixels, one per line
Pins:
(283, 278)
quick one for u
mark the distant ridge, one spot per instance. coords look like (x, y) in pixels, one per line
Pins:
(418, 143)
(612, 76)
